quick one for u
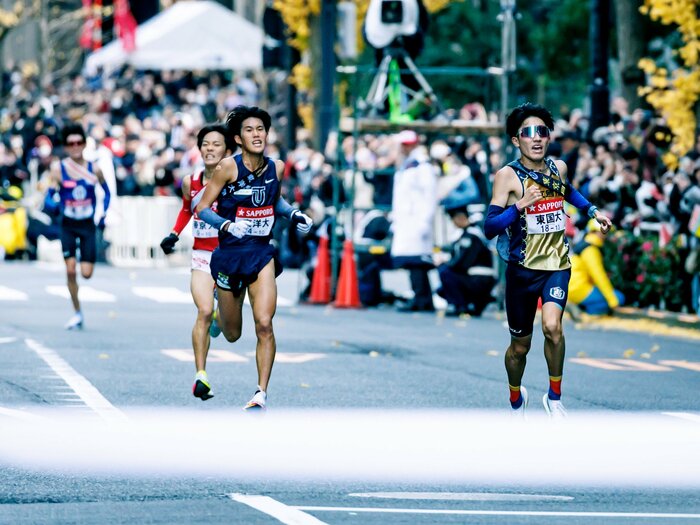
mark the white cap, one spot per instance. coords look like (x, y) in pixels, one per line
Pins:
(407, 136)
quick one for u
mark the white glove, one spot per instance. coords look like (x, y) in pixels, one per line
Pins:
(239, 228)
(302, 227)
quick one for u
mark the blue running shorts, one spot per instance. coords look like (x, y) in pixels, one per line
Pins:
(523, 289)
(235, 268)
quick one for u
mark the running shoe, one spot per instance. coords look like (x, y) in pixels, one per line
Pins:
(214, 328)
(520, 411)
(75, 322)
(257, 402)
(554, 407)
(201, 387)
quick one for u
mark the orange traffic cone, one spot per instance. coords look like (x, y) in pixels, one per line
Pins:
(321, 281)
(348, 292)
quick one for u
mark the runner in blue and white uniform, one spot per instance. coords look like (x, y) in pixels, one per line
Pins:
(74, 181)
(246, 188)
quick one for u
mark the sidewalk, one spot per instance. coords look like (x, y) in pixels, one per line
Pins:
(647, 320)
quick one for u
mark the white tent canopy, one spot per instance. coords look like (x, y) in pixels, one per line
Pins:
(189, 35)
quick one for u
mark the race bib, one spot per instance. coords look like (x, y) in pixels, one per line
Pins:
(546, 216)
(260, 219)
(202, 230)
(79, 210)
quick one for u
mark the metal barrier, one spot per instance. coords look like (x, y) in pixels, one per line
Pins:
(136, 226)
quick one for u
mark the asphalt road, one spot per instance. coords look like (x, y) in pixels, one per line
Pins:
(135, 352)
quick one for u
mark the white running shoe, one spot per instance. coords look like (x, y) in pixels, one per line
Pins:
(257, 402)
(554, 407)
(75, 322)
(519, 412)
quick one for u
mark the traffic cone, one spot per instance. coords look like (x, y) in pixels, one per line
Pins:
(348, 292)
(321, 280)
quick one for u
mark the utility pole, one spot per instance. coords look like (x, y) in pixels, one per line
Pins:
(599, 90)
(508, 51)
(326, 105)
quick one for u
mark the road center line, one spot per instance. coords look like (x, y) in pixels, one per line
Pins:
(280, 511)
(78, 383)
(469, 512)
(461, 496)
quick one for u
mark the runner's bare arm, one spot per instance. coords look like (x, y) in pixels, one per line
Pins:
(225, 173)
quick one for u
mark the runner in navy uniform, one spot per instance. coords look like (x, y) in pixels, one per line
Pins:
(527, 209)
(246, 188)
(74, 182)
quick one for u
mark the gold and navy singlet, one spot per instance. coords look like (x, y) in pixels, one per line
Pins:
(538, 240)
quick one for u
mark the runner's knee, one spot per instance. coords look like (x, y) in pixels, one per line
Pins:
(263, 328)
(552, 329)
(231, 335)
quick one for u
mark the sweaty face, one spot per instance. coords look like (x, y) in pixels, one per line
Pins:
(213, 148)
(253, 136)
(531, 147)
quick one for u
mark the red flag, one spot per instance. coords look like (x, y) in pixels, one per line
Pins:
(85, 39)
(125, 24)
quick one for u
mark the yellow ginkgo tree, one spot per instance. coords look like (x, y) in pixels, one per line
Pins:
(674, 94)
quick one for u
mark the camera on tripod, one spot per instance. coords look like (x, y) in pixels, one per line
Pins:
(387, 20)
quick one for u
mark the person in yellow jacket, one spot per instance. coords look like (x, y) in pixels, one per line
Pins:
(589, 287)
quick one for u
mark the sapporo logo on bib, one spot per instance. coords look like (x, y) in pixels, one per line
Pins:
(545, 216)
(260, 219)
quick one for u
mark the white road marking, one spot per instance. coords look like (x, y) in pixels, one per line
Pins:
(86, 294)
(226, 356)
(294, 357)
(688, 416)
(214, 356)
(475, 512)
(689, 365)
(279, 511)
(461, 496)
(620, 364)
(4, 340)
(79, 384)
(163, 294)
(10, 294)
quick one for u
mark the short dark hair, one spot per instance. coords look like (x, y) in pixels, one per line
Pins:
(234, 120)
(71, 129)
(217, 127)
(524, 111)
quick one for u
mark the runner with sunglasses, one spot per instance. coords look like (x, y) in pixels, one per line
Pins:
(73, 193)
(527, 210)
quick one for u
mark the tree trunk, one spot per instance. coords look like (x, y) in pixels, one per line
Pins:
(630, 48)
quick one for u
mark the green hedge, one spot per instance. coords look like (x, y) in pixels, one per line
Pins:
(648, 275)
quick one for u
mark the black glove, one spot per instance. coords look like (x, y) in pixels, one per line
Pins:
(168, 244)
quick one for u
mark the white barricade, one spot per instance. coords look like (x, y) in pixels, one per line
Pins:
(137, 225)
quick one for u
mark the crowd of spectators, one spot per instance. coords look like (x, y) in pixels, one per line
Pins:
(144, 125)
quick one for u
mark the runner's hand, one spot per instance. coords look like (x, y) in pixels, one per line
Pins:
(532, 195)
(303, 221)
(168, 244)
(239, 228)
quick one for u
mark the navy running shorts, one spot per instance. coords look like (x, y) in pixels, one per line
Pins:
(79, 235)
(235, 268)
(523, 289)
